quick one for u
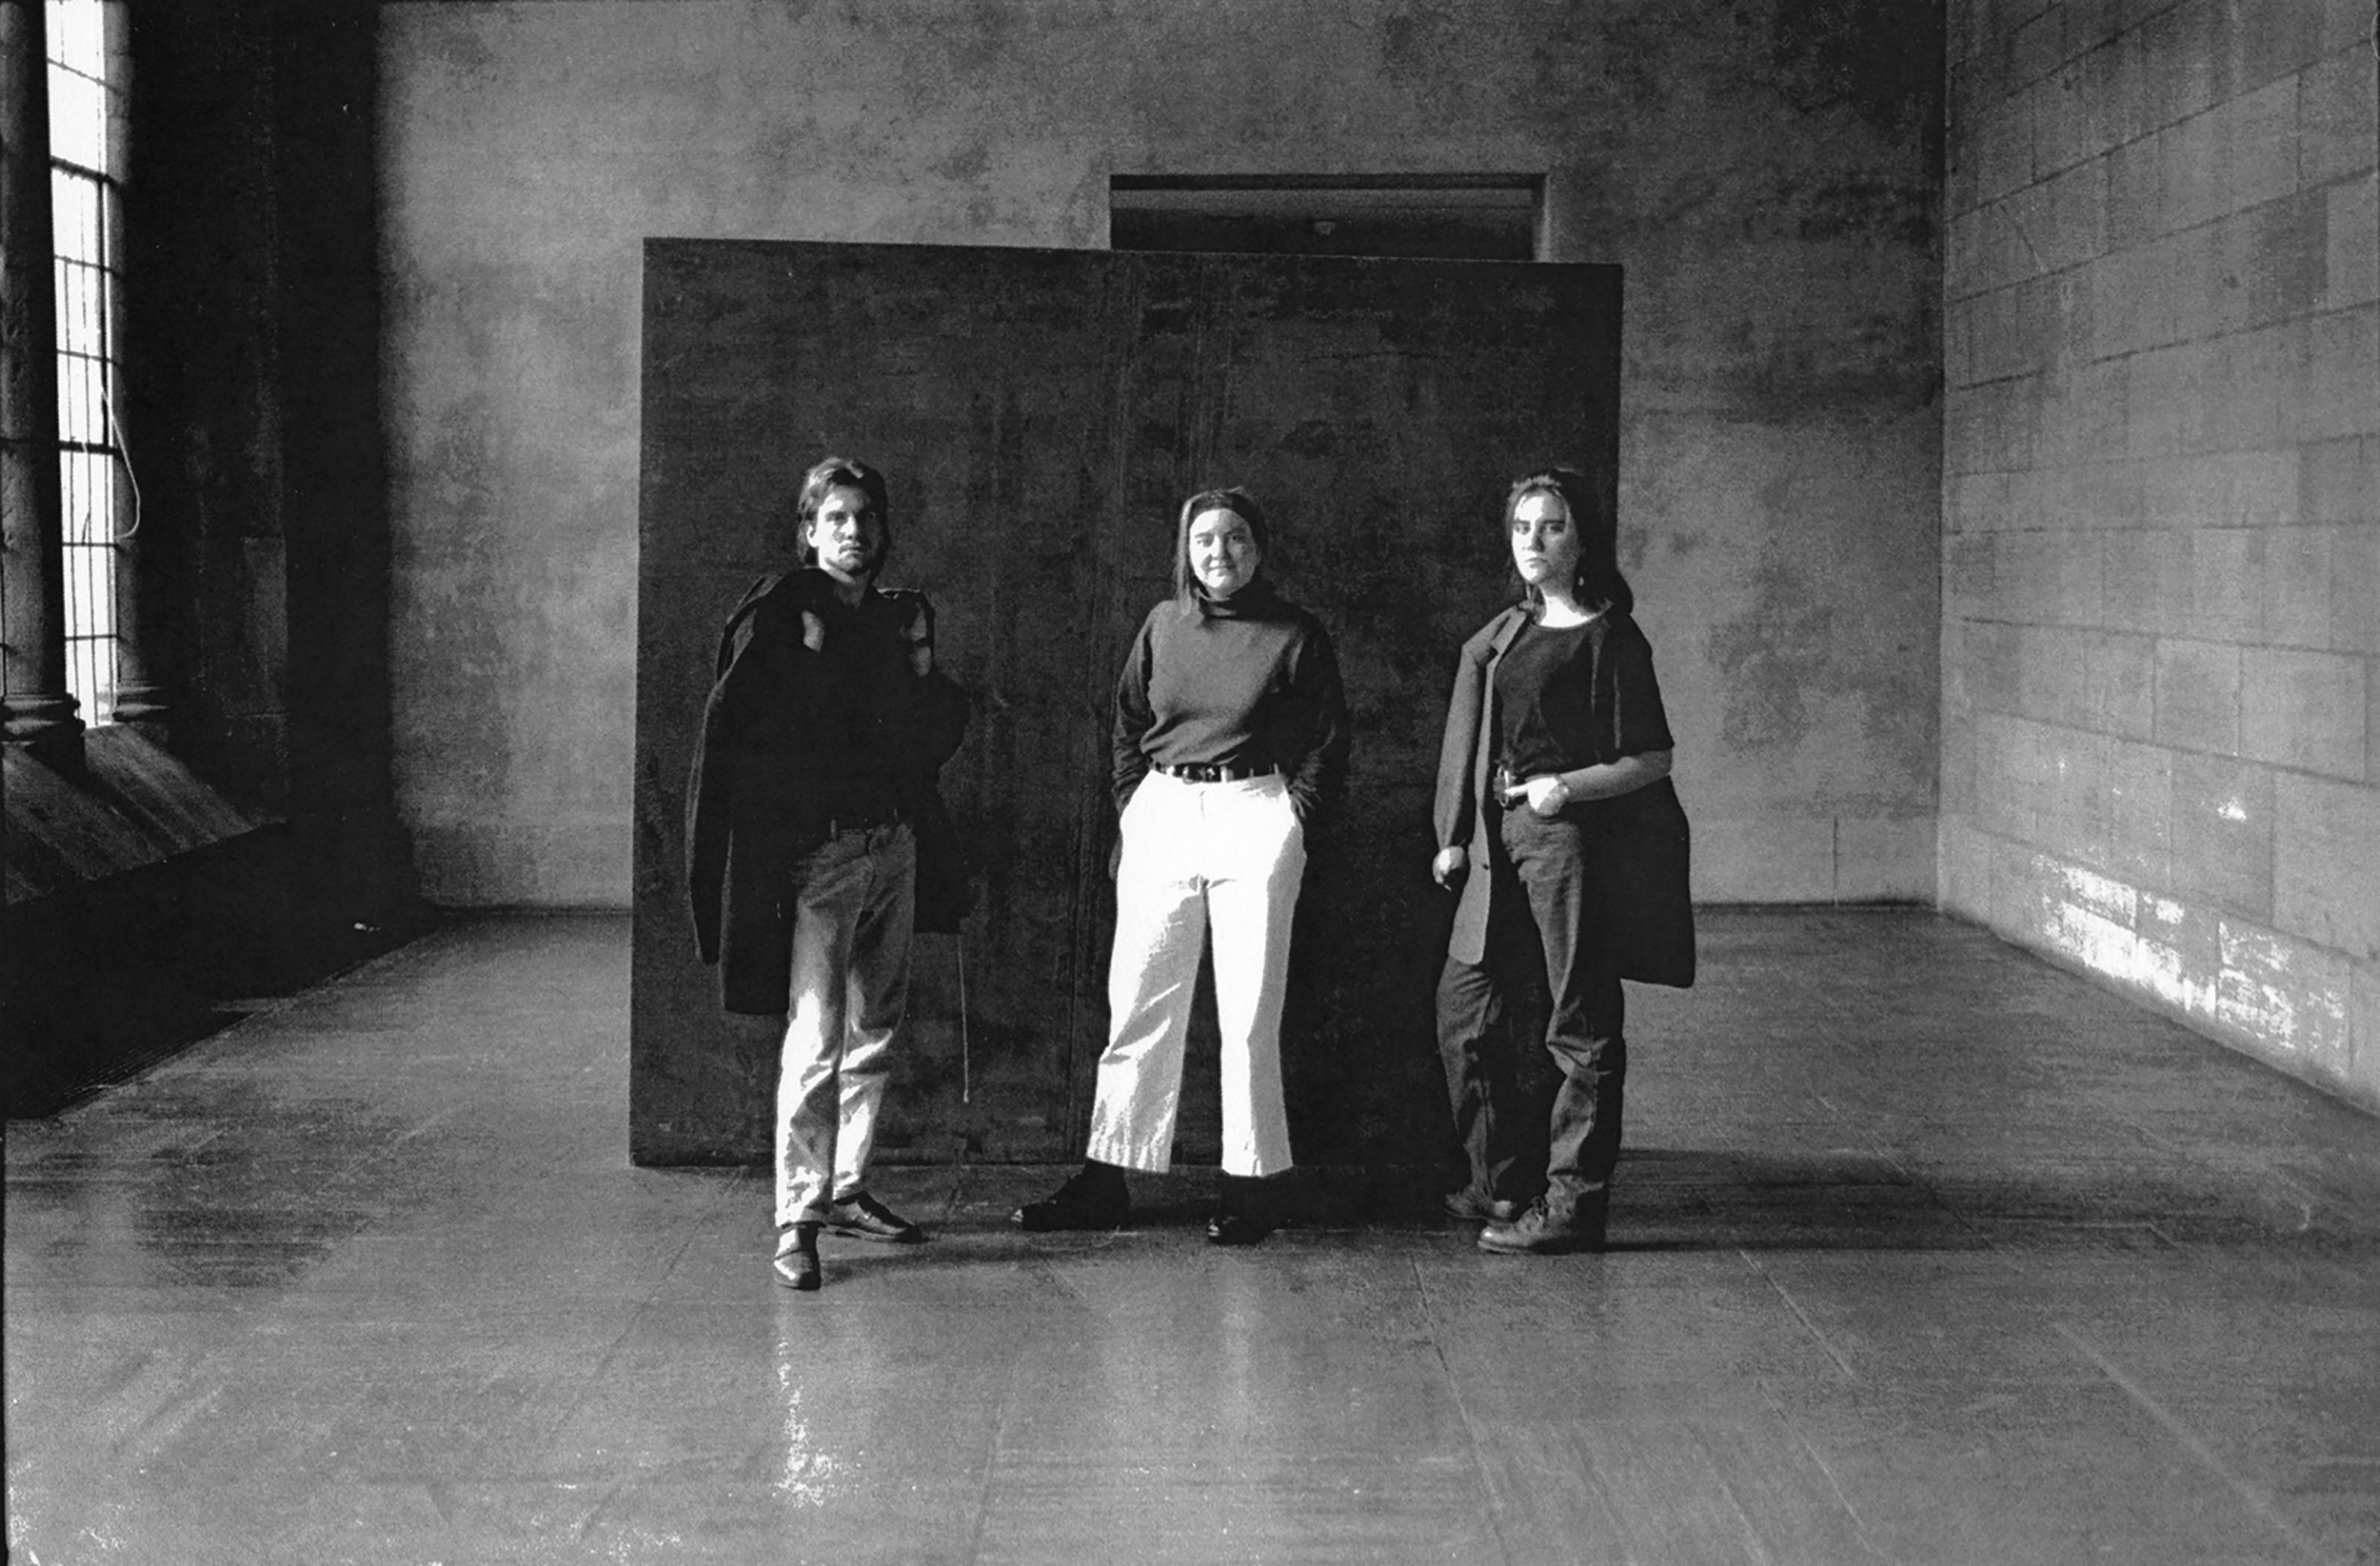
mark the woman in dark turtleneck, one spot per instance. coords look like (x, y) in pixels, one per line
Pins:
(1556, 820)
(1230, 738)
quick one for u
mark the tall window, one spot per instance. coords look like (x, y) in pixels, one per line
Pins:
(87, 224)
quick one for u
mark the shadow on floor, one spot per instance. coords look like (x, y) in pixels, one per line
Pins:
(1719, 1199)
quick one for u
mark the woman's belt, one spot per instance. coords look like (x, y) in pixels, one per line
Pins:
(1215, 771)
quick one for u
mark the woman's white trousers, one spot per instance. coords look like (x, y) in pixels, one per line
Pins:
(1225, 856)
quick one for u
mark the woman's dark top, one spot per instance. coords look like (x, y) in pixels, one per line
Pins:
(1636, 845)
(1553, 714)
(1248, 680)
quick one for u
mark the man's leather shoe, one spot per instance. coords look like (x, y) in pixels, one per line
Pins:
(1537, 1232)
(797, 1257)
(1248, 1210)
(1473, 1208)
(1094, 1198)
(862, 1217)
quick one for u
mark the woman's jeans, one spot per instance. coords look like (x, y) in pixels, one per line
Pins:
(1225, 855)
(1518, 1138)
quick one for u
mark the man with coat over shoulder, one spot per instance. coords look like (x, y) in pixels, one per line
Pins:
(817, 843)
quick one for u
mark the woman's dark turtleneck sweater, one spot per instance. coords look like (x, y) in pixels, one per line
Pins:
(1245, 681)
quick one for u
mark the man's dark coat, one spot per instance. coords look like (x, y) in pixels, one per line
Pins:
(752, 812)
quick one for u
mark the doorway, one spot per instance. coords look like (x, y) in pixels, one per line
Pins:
(1444, 217)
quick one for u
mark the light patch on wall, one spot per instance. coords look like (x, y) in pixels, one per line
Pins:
(2231, 810)
(2282, 996)
(2109, 897)
(2116, 950)
(2273, 991)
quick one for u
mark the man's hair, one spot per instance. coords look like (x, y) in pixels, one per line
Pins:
(1240, 504)
(843, 473)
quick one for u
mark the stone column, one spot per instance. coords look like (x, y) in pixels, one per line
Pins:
(141, 692)
(39, 712)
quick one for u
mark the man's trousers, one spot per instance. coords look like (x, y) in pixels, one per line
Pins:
(855, 901)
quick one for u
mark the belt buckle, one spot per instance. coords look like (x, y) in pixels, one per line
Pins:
(837, 826)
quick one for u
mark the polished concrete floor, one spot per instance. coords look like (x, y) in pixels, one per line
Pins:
(1924, 1252)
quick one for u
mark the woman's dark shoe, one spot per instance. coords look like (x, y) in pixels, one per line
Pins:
(1093, 1199)
(1472, 1207)
(1245, 1213)
(1537, 1232)
(797, 1257)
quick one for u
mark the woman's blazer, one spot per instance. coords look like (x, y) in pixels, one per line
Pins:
(1637, 844)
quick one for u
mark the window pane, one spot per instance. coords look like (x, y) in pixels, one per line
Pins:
(78, 309)
(86, 420)
(87, 285)
(78, 125)
(99, 479)
(90, 646)
(72, 401)
(107, 509)
(112, 326)
(78, 70)
(90, 677)
(94, 414)
(70, 499)
(78, 36)
(74, 215)
(88, 492)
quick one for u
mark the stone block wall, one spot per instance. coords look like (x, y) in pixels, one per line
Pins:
(2161, 549)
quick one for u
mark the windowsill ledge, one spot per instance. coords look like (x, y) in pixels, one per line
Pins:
(135, 805)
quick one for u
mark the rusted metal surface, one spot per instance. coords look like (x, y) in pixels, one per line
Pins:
(1041, 413)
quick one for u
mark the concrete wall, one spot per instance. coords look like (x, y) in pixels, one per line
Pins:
(253, 422)
(1765, 170)
(2161, 574)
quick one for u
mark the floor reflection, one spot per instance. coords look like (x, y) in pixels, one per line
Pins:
(1923, 1251)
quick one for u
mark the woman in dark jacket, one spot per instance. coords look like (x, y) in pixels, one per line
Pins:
(1556, 820)
(1230, 738)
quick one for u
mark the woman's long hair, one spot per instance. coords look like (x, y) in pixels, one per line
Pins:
(1234, 499)
(1599, 584)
